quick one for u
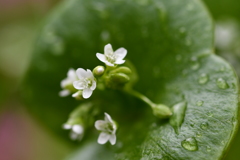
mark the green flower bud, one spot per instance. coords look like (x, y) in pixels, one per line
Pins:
(161, 111)
(124, 70)
(117, 80)
(98, 71)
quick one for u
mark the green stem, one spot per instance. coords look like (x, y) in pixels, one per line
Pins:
(141, 97)
(159, 110)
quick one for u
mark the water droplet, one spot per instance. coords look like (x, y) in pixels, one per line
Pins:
(222, 142)
(209, 149)
(203, 78)
(194, 63)
(221, 83)
(190, 144)
(199, 103)
(210, 114)
(204, 125)
(198, 134)
(177, 118)
(195, 66)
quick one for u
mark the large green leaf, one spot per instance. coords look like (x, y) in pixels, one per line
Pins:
(171, 45)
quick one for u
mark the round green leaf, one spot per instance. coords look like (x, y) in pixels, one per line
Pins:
(170, 44)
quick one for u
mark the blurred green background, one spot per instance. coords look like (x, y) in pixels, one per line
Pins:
(21, 136)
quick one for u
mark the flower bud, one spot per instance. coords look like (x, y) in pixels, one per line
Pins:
(161, 111)
(98, 71)
(124, 70)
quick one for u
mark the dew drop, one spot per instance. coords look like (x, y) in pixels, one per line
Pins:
(199, 103)
(190, 144)
(221, 83)
(209, 149)
(204, 125)
(194, 63)
(209, 114)
(198, 134)
(222, 142)
(203, 78)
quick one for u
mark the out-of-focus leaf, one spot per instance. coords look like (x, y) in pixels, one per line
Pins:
(171, 45)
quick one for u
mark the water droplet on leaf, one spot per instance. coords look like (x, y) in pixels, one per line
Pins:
(190, 144)
(210, 114)
(203, 78)
(221, 83)
(204, 125)
(209, 149)
(199, 103)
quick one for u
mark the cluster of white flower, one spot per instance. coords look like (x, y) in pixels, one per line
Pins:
(82, 83)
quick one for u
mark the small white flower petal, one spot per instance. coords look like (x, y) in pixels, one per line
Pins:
(109, 63)
(67, 126)
(78, 84)
(77, 129)
(99, 125)
(94, 85)
(103, 138)
(75, 94)
(113, 139)
(87, 93)
(108, 49)
(72, 74)
(121, 53)
(81, 73)
(119, 61)
(89, 74)
(64, 93)
(108, 118)
(101, 57)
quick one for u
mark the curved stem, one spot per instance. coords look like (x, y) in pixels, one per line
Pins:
(141, 97)
(159, 110)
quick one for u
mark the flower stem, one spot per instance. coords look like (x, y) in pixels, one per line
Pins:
(159, 110)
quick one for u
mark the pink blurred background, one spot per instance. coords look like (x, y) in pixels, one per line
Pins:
(21, 137)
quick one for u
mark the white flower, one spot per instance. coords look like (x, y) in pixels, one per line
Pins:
(86, 82)
(111, 58)
(77, 131)
(71, 77)
(108, 128)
